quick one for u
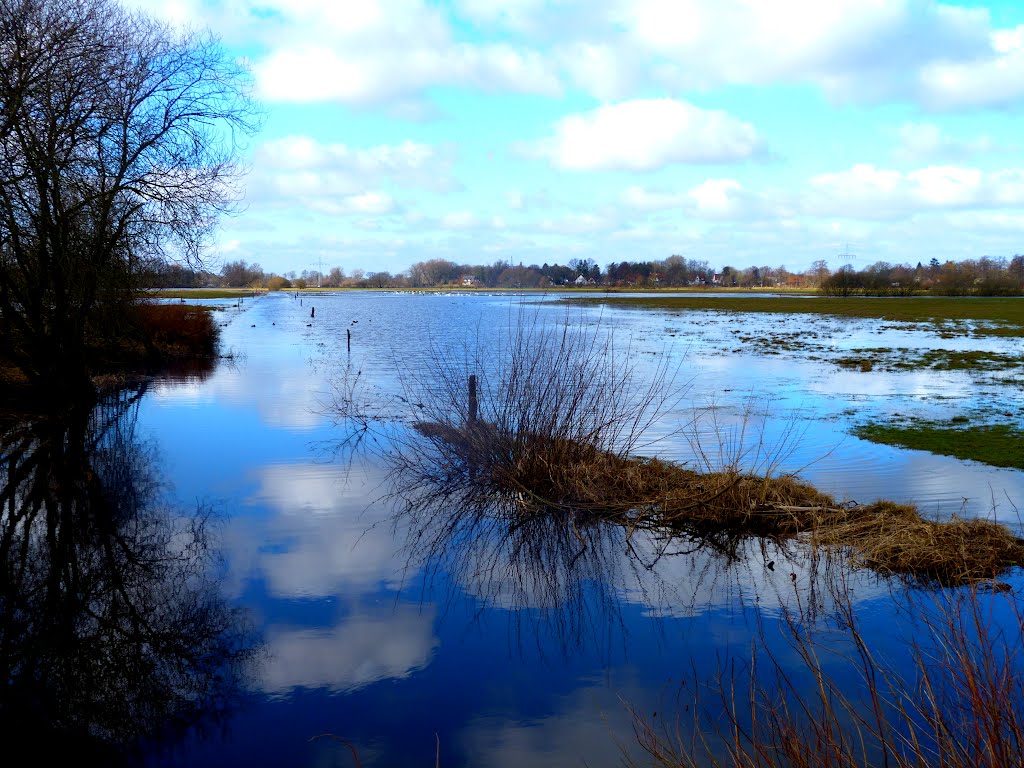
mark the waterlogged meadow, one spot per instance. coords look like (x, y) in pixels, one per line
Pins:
(385, 594)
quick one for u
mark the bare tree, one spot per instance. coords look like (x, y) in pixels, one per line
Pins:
(118, 143)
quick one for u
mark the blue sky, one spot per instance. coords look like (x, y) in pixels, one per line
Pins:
(742, 132)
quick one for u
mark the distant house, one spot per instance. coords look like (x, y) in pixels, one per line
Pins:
(581, 280)
(716, 279)
(469, 281)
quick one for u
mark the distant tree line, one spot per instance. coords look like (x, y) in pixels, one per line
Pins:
(675, 271)
(986, 276)
(973, 277)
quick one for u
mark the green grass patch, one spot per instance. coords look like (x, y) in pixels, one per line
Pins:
(998, 445)
(962, 360)
(1005, 314)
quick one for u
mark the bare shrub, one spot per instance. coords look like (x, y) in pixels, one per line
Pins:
(553, 427)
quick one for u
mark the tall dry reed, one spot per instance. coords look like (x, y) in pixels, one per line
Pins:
(838, 699)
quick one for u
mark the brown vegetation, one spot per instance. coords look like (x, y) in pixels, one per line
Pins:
(169, 339)
(174, 330)
(557, 476)
(831, 697)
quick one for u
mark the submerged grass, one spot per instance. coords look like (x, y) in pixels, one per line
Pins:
(999, 445)
(1003, 316)
(902, 358)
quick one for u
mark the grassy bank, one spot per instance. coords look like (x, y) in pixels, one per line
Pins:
(999, 445)
(1003, 316)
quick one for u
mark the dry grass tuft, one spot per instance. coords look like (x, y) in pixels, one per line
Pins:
(559, 476)
(895, 539)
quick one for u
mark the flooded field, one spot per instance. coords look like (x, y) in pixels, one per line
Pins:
(414, 638)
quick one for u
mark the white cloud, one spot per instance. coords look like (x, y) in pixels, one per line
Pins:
(995, 79)
(711, 199)
(388, 52)
(865, 191)
(646, 134)
(367, 202)
(977, 222)
(459, 220)
(373, 52)
(363, 75)
(385, 51)
(341, 180)
(853, 49)
(603, 70)
(718, 198)
(927, 141)
(643, 199)
(945, 186)
(578, 223)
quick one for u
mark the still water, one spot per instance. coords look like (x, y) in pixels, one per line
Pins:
(281, 597)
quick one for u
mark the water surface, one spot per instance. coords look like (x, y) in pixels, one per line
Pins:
(507, 647)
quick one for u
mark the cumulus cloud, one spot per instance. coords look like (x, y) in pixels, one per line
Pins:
(711, 199)
(853, 49)
(645, 135)
(720, 198)
(409, 162)
(866, 191)
(378, 51)
(388, 52)
(993, 79)
(799, 38)
(337, 179)
(606, 71)
(363, 75)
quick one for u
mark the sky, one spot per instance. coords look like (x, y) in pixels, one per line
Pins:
(740, 132)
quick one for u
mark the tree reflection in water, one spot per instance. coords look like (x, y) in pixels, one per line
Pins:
(112, 630)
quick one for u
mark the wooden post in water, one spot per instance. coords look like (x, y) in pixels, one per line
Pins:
(472, 400)
(312, 312)
(348, 338)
